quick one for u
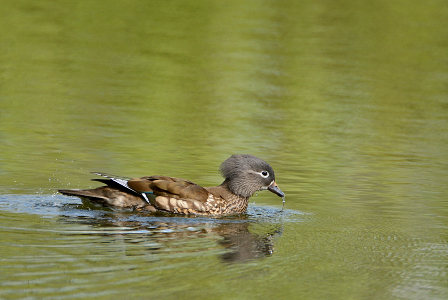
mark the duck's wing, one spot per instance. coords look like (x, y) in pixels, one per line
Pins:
(118, 182)
(172, 194)
(167, 193)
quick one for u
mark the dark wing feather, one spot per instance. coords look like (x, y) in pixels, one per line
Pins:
(169, 187)
(120, 183)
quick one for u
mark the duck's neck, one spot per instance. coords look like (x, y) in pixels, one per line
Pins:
(224, 191)
(235, 203)
(237, 188)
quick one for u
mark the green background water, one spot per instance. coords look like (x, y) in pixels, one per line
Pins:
(347, 100)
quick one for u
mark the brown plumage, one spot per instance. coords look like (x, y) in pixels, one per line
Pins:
(244, 175)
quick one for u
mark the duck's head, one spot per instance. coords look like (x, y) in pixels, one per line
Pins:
(245, 174)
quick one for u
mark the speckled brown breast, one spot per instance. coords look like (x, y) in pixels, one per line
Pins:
(214, 205)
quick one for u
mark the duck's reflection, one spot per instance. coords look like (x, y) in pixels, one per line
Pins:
(243, 239)
(244, 244)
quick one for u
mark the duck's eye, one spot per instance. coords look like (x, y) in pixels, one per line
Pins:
(264, 174)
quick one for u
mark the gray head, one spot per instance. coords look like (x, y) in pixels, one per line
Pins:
(245, 174)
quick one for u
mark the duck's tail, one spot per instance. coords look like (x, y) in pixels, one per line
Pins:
(109, 197)
(81, 193)
(89, 196)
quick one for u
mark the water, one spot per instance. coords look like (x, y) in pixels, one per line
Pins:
(346, 100)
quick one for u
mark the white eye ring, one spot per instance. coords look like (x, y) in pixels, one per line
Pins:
(264, 174)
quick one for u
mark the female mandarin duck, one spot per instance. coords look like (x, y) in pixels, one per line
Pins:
(244, 175)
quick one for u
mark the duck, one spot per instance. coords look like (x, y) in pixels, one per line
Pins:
(243, 174)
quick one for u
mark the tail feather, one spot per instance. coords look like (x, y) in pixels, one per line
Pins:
(83, 193)
(109, 197)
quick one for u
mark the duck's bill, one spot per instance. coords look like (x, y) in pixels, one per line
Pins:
(276, 190)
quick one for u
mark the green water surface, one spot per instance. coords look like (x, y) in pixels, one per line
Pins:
(347, 100)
